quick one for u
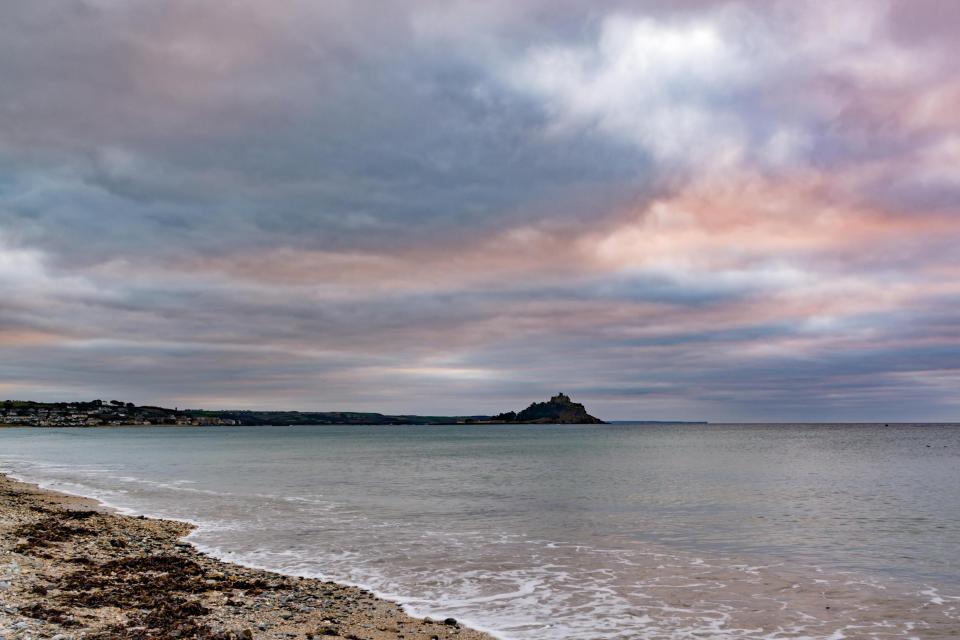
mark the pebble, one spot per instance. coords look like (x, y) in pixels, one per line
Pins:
(280, 599)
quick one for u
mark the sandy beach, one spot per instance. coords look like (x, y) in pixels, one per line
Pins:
(71, 569)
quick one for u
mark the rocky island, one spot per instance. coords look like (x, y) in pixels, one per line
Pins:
(558, 410)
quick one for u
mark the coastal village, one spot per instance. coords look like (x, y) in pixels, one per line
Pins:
(97, 413)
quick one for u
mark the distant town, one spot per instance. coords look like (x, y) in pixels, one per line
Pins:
(99, 413)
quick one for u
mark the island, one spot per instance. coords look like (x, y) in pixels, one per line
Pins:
(560, 409)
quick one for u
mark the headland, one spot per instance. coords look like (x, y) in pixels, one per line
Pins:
(95, 413)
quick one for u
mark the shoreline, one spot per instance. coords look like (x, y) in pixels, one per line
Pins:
(72, 567)
(648, 588)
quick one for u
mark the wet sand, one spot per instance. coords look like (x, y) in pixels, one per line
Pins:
(71, 569)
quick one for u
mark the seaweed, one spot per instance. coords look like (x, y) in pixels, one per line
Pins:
(43, 533)
(158, 590)
(38, 611)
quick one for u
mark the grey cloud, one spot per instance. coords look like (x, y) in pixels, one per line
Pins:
(310, 136)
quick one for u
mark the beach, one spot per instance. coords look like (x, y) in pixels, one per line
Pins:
(71, 569)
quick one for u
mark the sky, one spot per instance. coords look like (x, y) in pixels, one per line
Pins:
(730, 211)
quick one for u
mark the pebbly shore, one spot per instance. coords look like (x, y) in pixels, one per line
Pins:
(71, 569)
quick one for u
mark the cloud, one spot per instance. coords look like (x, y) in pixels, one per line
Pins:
(693, 210)
(646, 82)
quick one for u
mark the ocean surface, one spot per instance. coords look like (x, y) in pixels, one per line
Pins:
(562, 532)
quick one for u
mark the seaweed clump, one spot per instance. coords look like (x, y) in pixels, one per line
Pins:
(38, 536)
(159, 591)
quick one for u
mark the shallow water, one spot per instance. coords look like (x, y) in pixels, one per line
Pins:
(550, 532)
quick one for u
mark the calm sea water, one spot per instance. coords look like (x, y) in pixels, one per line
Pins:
(619, 531)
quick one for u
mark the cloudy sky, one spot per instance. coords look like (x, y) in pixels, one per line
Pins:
(688, 210)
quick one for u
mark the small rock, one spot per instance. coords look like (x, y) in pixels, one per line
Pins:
(450, 622)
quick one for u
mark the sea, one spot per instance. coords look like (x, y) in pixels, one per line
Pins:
(556, 532)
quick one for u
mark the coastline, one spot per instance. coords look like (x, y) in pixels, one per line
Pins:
(72, 568)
